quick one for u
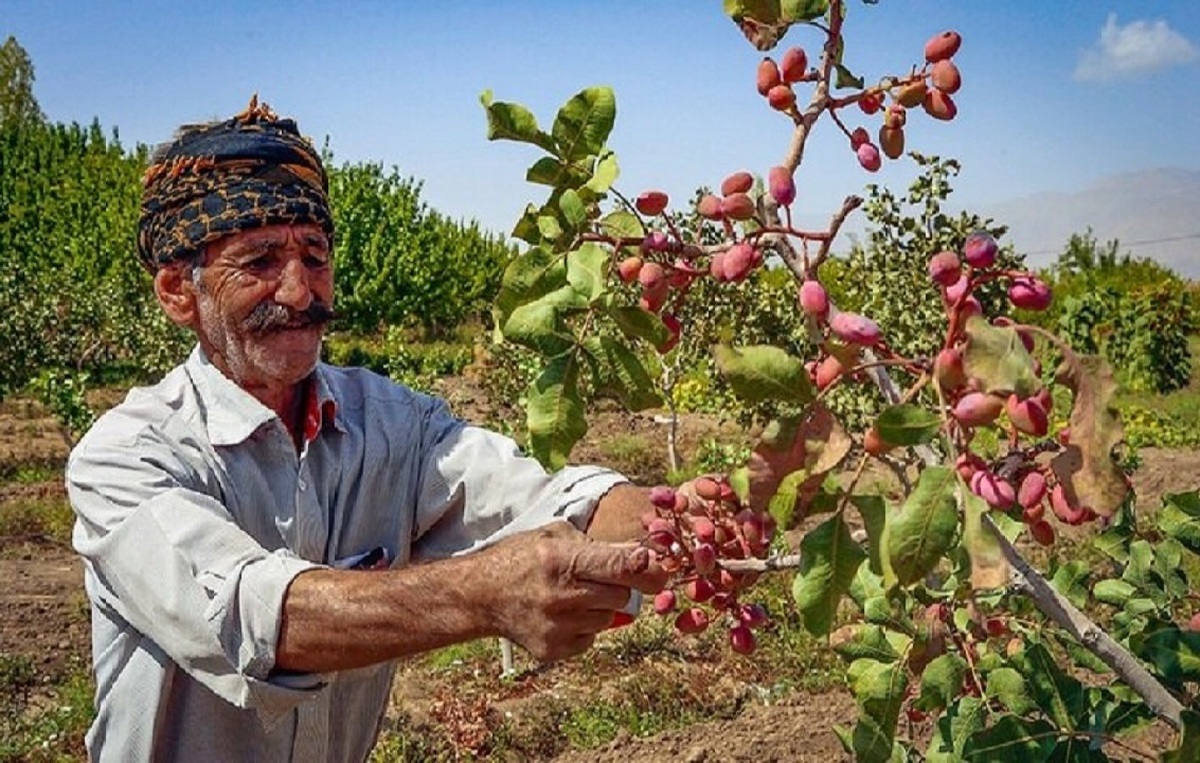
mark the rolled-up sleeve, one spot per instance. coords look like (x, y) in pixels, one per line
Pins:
(476, 487)
(167, 557)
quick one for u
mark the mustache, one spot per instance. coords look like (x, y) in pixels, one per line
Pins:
(272, 316)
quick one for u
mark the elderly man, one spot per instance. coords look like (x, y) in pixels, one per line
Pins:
(264, 535)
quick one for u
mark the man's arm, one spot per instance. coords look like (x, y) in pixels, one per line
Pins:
(549, 590)
(618, 514)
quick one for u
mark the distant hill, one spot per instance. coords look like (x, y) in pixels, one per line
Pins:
(1153, 213)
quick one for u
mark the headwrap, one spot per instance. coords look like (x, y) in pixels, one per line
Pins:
(251, 170)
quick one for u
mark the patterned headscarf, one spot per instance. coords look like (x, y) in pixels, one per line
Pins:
(252, 170)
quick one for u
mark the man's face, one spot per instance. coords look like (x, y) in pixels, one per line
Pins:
(263, 297)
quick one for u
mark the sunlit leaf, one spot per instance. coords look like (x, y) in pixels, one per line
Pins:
(989, 568)
(917, 536)
(764, 372)
(620, 374)
(604, 174)
(1179, 517)
(584, 123)
(955, 727)
(1008, 685)
(512, 121)
(555, 412)
(996, 356)
(907, 424)
(829, 560)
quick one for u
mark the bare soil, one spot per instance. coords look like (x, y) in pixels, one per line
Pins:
(43, 614)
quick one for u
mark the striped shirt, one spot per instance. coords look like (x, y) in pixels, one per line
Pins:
(194, 511)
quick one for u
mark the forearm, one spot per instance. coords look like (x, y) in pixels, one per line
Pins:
(338, 620)
(618, 515)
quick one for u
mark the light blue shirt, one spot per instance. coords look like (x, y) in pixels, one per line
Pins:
(195, 512)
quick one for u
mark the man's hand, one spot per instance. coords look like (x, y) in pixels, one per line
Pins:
(553, 589)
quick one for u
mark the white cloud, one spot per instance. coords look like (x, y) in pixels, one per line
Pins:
(1139, 47)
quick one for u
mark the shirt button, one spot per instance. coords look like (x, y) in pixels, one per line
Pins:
(302, 484)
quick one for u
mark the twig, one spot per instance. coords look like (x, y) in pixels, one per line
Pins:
(770, 564)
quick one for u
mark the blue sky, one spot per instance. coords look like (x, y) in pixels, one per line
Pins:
(1056, 94)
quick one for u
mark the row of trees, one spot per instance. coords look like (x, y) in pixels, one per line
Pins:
(74, 301)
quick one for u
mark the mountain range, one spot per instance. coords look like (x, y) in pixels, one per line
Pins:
(1151, 213)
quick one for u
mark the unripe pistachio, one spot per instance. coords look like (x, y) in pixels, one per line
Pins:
(995, 490)
(699, 590)
(673, 331)
(868, 157)
(891, 141)
(651, 275)
(704, 558)
(1029, 294)
(662, 496)
(693, 620)
(1042, 532)
(793, 67)
(967, 464)
(946, 77)
(741, 639)
(664, 602)
(707, 488)
(977, 409)
(654, 297)
(956, 291)
(709, 207)
(874, 444)
(656, 241)
(870, 102)
(939, 105)
(944, 268)
(813, 299)
(781, 97)
(716, 267)
(855, 329)
(704, 529)
(828, 371)
(1032, 490)
(942, 46)
(767, 76)
(738, 262)
(1066, 513)
(858, 137)
(737, 206)
(948, 369)
(979, 250)
(737, 182)
(628, 269)
(781, 185)
(1027, 416)
(651, 203)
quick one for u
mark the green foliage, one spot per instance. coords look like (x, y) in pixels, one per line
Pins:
(400, 356)
(398, 262)
(1135, 312)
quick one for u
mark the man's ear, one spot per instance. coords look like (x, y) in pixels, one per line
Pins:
(176, 294)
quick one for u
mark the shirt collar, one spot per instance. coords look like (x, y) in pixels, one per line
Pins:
(232, 414)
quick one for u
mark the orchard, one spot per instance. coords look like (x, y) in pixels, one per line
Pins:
(1001, 433)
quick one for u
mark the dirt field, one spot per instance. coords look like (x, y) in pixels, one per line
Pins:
(43, 616)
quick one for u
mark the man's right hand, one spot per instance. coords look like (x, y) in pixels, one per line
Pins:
(551, 590)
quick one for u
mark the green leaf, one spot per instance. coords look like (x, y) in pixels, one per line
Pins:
(870, 642)
(989, 568)
(1189, 741)
(585, 270)
(907, 424)
(621, 224)
(1174, 652)
(1008, 685)
(539, 326)
(802, 10)
(549, 227)
(997, 357)
(829, 560)
(764, 372)
(955, 727)
(618, 373)
(635, 322)
(1060, 696)
(1179, 517)
(879, 690)
(551, 171)
(1011, 738)
(555, 412)
(1071, 580)
(604, 174)
(923, 530)
(1114, 542)
(526, 228)
(782, 505)
(1114, 592)
(844, 78)
(874, 514)
(512, 121)
(941, 681)
(529, 278)
(584, 123)
(574, 212)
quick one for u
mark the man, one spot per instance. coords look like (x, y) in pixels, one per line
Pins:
(264, 535)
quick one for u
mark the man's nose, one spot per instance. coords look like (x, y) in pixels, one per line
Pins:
(294, 289)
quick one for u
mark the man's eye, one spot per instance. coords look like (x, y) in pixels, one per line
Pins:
(316, 262)
(257, 264)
